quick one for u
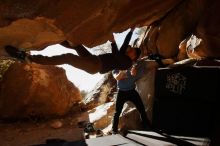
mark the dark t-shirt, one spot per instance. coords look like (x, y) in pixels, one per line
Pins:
(114, 62)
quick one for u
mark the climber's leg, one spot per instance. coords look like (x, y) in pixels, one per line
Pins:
(90, 64)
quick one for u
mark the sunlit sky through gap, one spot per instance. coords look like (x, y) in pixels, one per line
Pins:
(82, 79)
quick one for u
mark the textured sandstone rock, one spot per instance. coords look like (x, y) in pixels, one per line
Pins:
(36, 24)
(36, 90)
(145, 86)
(130, 120)
(102, 115)
(56, 124)
(92, 22)
(102, 93)
(30, 34)
(178, 25)
(196, 17)
(87, 22)
(209, 31)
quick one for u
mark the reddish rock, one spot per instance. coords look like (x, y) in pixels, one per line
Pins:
(56, 124)
(102, 93)
(130, 120)
(178, 25)
(30, 34)
(36, 90)
(85, 22)
(93, 22)
(209, 31)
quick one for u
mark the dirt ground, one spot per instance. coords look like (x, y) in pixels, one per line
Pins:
(32, 132)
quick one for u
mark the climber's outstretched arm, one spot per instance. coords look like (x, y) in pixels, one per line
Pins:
(114, 48)
(126, 42)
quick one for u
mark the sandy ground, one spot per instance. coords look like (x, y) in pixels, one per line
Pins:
(32, 132)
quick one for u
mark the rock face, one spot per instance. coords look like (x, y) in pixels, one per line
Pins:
(29, 34)
(32, 25)
(36, 90)
(145, 86)
(102, 93)
(92, 22)
(189, 17)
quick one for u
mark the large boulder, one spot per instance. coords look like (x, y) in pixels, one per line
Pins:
(103, 92)
(178, 25)
(209, 31)
(145, 86)
(189, 18)
(92, 22)
(82, 22)
(36, 90)
(30, 34)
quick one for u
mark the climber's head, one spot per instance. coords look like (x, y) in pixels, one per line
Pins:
(133, 53)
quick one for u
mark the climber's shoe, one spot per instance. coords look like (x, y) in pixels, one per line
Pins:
(15, 52)
(89, 128)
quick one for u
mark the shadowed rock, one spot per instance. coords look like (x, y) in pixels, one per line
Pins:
(93, 22)
(36, 90)
(86, 22)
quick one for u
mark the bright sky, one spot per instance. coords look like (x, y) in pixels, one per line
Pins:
(82, 79)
